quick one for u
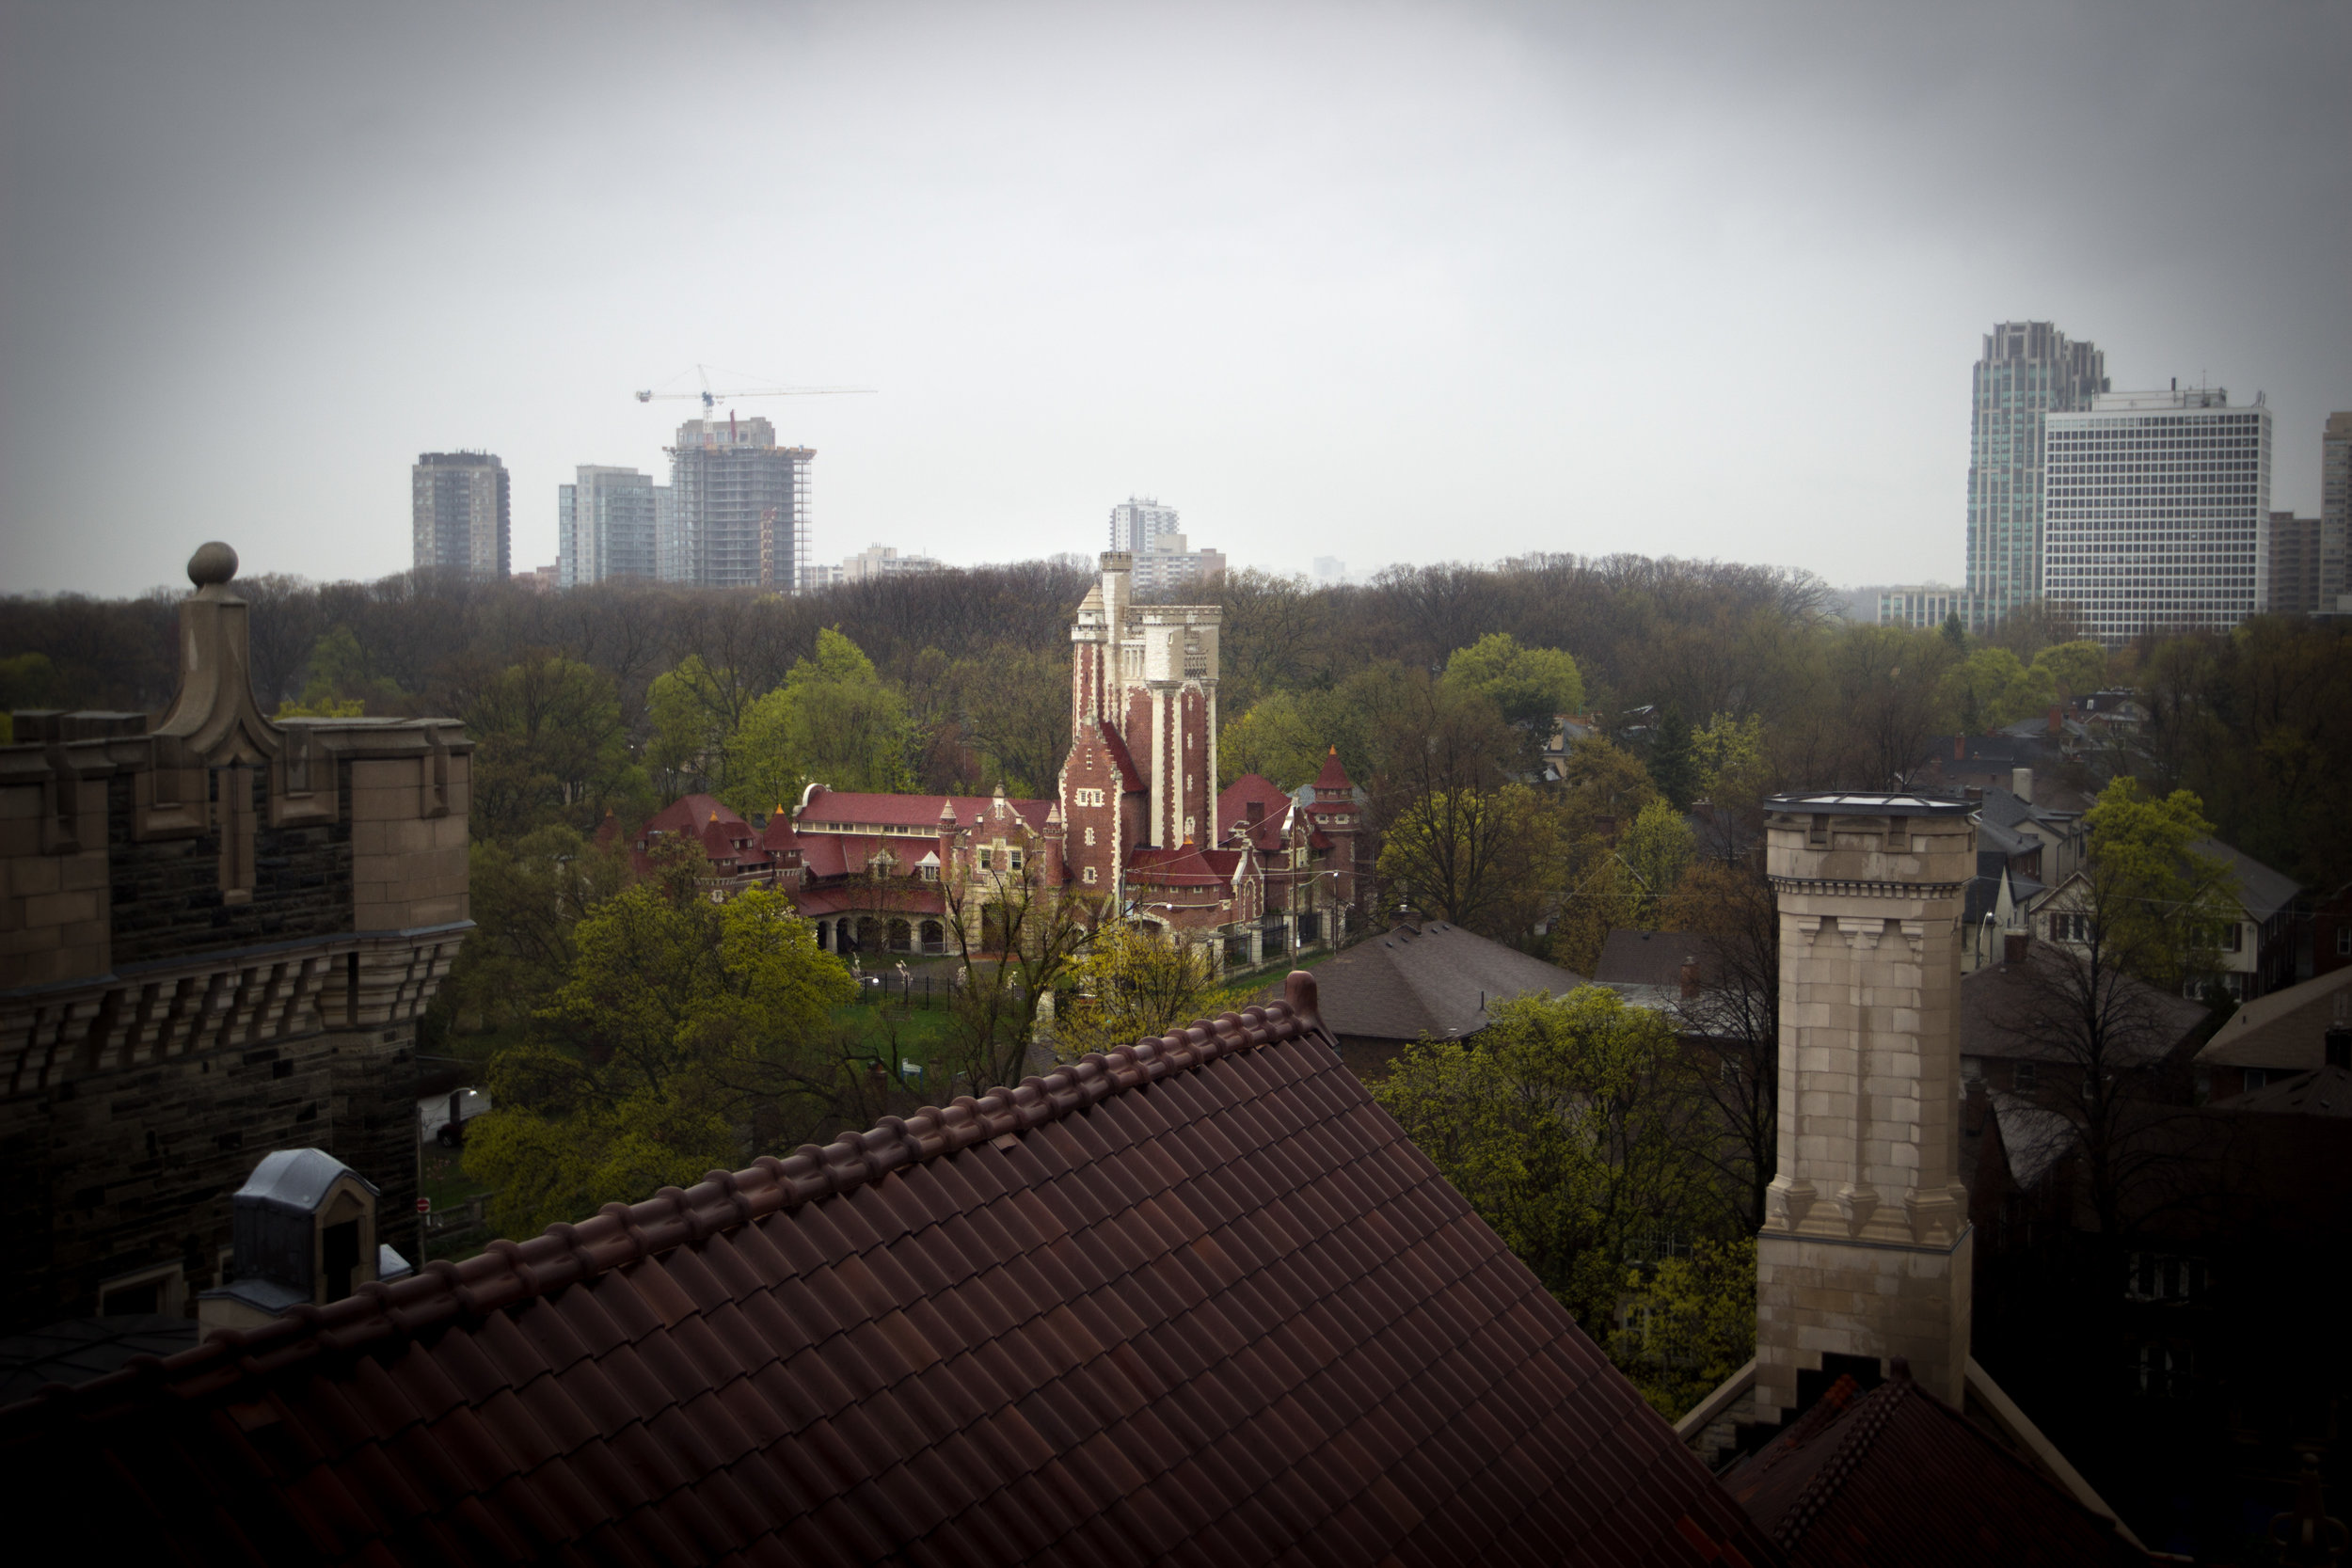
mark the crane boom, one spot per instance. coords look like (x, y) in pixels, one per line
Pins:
(710, 399)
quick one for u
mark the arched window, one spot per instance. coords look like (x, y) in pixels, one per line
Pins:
(935, 937)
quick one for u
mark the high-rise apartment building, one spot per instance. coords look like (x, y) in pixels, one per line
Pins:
(1137, 525)
(2291, 565)
(1927, 605)
(607, 526)
(2029, 370)
(2157, 512)
(740, 507)
(459, 507)
(877, 562)
(2335, 514)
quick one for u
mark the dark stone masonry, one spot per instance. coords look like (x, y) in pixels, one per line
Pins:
(217, 933)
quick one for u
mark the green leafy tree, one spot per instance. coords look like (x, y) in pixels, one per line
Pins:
(1278, 739)
(1529, 687)
(834, 720)
(549, 748)
(684, 1032)
(1687, 1323)
(693, 711)
(338, 683)
(1602, 896)
(1014, 941)
(1656, 849)
(2072, 670)
(1129, 984)
(1673, 764)
(1728, 759)
(527, 897)
(2152, 896)
(1990, 688)
(1557, 1123)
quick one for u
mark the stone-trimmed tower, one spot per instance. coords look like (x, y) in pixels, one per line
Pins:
(217, 932)
(1865, 1249)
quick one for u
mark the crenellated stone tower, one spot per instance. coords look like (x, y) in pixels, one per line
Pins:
(1865, 1249)
(1142, 768)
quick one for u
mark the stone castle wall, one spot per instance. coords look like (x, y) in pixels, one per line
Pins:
(217, 934)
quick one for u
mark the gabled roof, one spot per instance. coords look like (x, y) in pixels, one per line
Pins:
(2005, 1010)
(1196, 1301)
(1434, 979)
(1652, 958)
(1129, 781)
(1898, 1476)
(1188, 864)
(2285, 1029)
(846, 808)
(2262, 891)
(691, 813)
(2033, 1137)
(1232, 802)
(2324, 1091)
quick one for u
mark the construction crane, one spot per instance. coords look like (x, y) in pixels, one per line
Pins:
(710, 399)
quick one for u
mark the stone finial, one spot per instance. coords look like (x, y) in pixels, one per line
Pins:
(213, 564)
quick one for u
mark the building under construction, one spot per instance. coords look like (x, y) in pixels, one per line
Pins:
(739, 515)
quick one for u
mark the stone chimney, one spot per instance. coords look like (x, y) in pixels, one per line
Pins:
(2014, 945)
(1866, 1248)
(1690, 976)
(2021, 784)
(1255, 812)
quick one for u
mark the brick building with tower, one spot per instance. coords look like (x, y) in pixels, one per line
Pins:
(217, 934)
(1136, 825)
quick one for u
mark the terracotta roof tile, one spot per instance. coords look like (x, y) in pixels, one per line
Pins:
(1195, 1300)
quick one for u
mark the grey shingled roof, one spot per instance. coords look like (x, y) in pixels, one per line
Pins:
(2262, 891)
(1431, 979)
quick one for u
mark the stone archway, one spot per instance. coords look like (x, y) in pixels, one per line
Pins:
(935, 937)
(901, 937)
(870, 934)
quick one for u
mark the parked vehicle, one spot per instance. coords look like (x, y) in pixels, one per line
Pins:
(442, 1117)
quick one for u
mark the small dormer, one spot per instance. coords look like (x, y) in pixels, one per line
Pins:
(304, 1228)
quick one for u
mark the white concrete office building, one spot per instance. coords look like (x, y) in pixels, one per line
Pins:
(2156, 508)
(1927, 605)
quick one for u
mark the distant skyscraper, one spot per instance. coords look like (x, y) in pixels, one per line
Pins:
(877, 562)
(2158, 512)
(2029, 370)
(459, 509)
(1136, 524)
(2291, 565)
(1330, 571)
(742, 507)
(2335, 512)
(606, 527)
(1927, 605)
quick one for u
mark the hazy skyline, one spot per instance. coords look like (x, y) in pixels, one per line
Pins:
(1401, 283)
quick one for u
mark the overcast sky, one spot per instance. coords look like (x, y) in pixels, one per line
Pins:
(1389, 283)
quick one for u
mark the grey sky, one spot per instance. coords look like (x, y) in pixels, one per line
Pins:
(1386, 281)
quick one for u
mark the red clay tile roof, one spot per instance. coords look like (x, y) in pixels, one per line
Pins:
(691, 813)
(1898, 1476)
(1333, 776)
(1130, 780)
(1186, 863)
(1199, 1301)
(1232, 802)
(909, 811)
